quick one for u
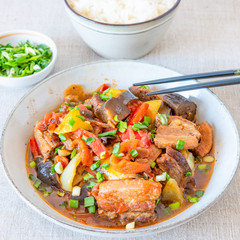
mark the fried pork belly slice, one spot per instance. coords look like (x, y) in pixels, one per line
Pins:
(130, 195)
(177, 129)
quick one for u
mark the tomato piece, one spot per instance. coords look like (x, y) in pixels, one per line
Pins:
(85, 154)
(63, 160)
(34, 147)
(103, 88)
(139, 114)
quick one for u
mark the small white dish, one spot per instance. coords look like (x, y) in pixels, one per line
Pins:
(18, 36)
(122, 41)
(49, 94)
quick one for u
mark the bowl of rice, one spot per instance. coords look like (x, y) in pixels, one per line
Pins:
(121, 29)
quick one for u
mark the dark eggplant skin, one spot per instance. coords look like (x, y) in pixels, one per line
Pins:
(44, 173)
(84, 193)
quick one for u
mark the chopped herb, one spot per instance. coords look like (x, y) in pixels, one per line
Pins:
(64, 204)
(167, 176)
(62, 137)
(147, 121)
(105, 97)
(88, 176)
(74, 203)
(145, 86)
(203, 167)
(152, 136)
(175, 205)
(105, 165)
(153, 164)
(56, 150)
(100, 177)
(81, 117)
(167, 211)
(37, 183)
(116, 118)
(77, 108)
(187, 174)
(89, 201)
(163, 118)
(95, 165)
(134, 153)
(89, 140)
(70, 108)
(106, 91)
(193, 199)
(53, 169)
(92, 209)
(109, 133)
(66, 103)
(73, 153)
(71, 122)
(47, 193)
(122, 126)
(198, 158)
(61, 194)
(157, 201)
(88, 106)
(42, 189)
(116, 149)
(32, 164)
(151, 179)
(31, 177)
(91, 185)
(138, 126)
(199, 193)
(180, 145)
(94, 93)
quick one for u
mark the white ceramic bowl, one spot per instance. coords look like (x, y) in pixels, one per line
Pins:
(124, 74)
(18, 36)
(130, 41)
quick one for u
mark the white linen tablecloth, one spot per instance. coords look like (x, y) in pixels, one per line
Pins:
(205, 36)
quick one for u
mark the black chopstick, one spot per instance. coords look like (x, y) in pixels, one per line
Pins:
(190, 77)
(218, 83)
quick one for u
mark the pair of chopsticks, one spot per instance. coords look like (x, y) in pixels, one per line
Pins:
(218, 83)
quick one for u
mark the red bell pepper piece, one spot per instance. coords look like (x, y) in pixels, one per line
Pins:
(103, 88)
(63, 160)
(97, 146)
(34, 147)
(139, 114)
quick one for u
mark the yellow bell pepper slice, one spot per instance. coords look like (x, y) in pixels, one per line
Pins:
(72, 122)
(114, 92)
(154, 105)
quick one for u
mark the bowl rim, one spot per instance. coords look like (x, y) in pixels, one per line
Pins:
(123, 25)
(116, 232)
(39, 35)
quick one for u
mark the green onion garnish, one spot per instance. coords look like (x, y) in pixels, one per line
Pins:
(37, 183)
(187, 174)
(77, 108)
(88, 106)
(62, 137)
(145, 86)
(105, 165)
(153, 164)
(167, 176)
(203, 167)
(157, 201)
(193, 200)
(199, 193)
(47, 193)
(31, 177)
(73, 153)
(198, 158)
(42, 189)
(66, 103)
(61, 194)
(56, 150)
(175, 205)
(70, 108)
(167, 211)
(100, 177)
(32, 164)
(95, 165)
(152, 136)
(53, 169)
(116, 118)
(163, 118)
(138, 126)
(180, 145)
(88, 176)
(92, 209)
(91, 185)
(104, 97)
(81, 117)
(134, 153)
(64, 204)
(109, 133)
(89, 140)
(71, 122)
(122, 126)
(89, 201)
(74, 203)
(106, 91)
(147, 121)
(116, 149)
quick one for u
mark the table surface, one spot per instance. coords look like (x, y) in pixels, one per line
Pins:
(204, 37)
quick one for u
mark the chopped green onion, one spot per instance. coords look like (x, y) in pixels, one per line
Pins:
(187, 174)
(100, 177)
(53, 169)
(105, 97)
(163, 118)
(203, 167)
(73, 153)
(31, 177)
(175, 205)
(138, 126)
(47, 193)
(95, 165)
(61, 194)
(71, 122)
(89, 140)
(151, 179)
(153, 164)
(157, 201)
(122, 126)
(94, 93)
(74, 203)
(116, 149)
(88, 106)
(106, 91)
(37, 183)
(89, 201)
(81, 117)
(193, 200)
(167, 176)
(32, 164)
(199, 193)
(147, 121)
(66, 103)
(145, 86)
(64, 204)
(167, 211)
(91, 185)
(180, 145)
(134, 153)
(198, 158)
(92, 209)
(105, 165)
(116, 118)
(42, 189)
(152, 136)
(77, 108)
(88, 176)
(70, 108)
(109, 133)
(56, 150)
(62, 137)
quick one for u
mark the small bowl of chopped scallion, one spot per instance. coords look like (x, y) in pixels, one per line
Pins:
(26, 58)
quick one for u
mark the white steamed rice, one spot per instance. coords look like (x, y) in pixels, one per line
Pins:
(121, 11)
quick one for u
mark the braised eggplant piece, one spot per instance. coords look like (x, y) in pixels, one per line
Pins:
(140, 93)
(44, 173)
(84, 193)
(180, 105)
(125, 97)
